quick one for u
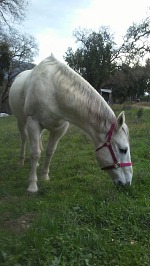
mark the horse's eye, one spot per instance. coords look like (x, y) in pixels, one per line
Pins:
(124, 151)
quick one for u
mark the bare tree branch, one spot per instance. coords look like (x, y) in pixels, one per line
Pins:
(12, 11)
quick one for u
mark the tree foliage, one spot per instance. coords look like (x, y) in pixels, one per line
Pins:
(4, 60)
(104, 64)
(21, 49)
(17, 50)
(16, 54)
(137, 42)
(93, 58)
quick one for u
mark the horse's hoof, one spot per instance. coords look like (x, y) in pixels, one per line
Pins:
(46, 177)
(32, 188)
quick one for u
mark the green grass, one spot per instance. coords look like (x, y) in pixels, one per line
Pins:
(78, 218)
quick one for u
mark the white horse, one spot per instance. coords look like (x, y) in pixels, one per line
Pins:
(49, 97)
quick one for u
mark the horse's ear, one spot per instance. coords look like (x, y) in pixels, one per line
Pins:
(120, 120)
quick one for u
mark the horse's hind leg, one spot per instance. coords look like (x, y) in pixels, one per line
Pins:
(34, 131)
(24, 136)
(54, 137)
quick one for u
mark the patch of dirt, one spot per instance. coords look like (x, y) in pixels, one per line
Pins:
(20, 224)
(141, 106)
(8, 199)
(144, 105)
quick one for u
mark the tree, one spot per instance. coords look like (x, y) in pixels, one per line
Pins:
(17, 53)
(136, 42)
(130, 82)
(4, 60)
(21, 48)
(103, 64)
(16, 50)
(93, 58)
(12, 10)
(147, 70)
(124, 83)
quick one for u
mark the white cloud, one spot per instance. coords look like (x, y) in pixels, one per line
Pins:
(50, 42)
(116, 14)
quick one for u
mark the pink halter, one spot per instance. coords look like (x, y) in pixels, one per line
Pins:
(109, 146)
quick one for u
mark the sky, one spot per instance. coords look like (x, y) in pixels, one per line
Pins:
(52, 22)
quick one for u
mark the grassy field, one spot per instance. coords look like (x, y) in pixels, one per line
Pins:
(78, 218)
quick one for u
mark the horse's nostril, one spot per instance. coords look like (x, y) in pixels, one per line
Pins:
(120, 183)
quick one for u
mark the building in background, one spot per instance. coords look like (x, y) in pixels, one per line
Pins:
(106, 94)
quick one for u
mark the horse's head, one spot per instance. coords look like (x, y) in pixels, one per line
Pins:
(113, 153)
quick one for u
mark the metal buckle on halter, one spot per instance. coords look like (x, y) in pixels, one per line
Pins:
(116, 165)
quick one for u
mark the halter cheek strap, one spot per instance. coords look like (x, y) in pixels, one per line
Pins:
(109, 146)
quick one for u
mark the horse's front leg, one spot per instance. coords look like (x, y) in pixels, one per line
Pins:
(34, 131)
(54, 137)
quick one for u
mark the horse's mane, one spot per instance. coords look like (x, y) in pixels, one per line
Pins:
(82, 91)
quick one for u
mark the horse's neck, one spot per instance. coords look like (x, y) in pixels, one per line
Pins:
(100, 121)
(82, 105)
(94, 118)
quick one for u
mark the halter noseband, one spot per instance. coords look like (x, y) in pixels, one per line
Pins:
(109, 146)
